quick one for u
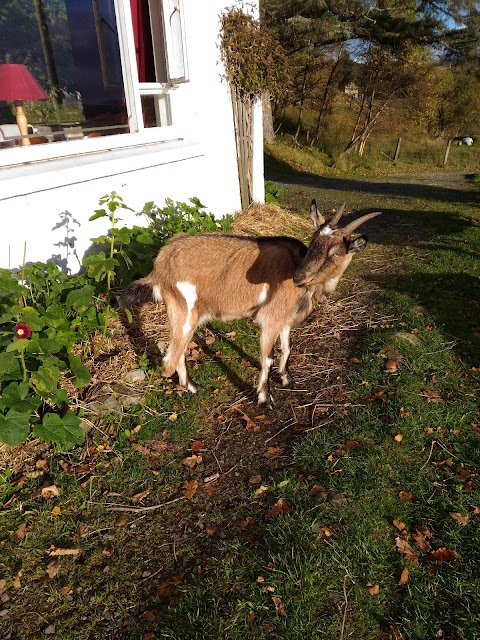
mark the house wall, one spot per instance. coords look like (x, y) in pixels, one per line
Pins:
(202, 163)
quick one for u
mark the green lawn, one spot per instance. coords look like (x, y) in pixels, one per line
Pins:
(351, 511)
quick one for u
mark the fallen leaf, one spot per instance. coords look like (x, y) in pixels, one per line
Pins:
(190, 488)
(279, 606)
(279, 507)
(268, 628)
(399, 524)
(209, 340)
(50, 492)
(21, 532)
(405, 495)
(406, 549)
(256, 479)
(140, 496)
(16, 580)
(260, 490)
(53, 568)
(396, 633)
(404, 576)
(149, 636)
(191, 461)
(82, 531)
(373, 589)
(149, 616)
(272, 452)
(476, 510)
(398, 437)
(210, 531)
(41, 464)
(439, 556)
(391, 366)
(141, 449)
(463, 519)
(3, 586)
(56, 511)
(246, 522)
(121, 522)
(230, 335)
(197, 445)
(53, 551)
(165, 589)
(421, 537)
(172, 417)
(214, 476)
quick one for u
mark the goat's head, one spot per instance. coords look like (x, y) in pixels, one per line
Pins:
(331, 250)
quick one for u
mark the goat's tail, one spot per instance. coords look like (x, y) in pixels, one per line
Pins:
(139, 291)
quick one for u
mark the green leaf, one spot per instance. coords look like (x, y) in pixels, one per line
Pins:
(46, 379)
(81, 299)
(66, 431)
(99, 213)
(82, 374)
(14, 427)
(15, 396)
(9, 364)
(18, 345)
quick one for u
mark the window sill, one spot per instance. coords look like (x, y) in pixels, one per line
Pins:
(92, 162)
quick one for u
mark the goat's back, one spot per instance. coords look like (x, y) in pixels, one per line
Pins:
(232, 275)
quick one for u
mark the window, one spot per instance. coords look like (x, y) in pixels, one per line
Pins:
(106, 65)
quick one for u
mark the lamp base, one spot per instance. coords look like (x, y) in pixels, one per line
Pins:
(21, 122)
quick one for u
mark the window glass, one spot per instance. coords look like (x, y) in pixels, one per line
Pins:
(71, 48)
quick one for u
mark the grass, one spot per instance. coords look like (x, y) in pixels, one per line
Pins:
(376, 469)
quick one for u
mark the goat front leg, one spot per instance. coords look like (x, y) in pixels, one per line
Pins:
(287, 380)
(267, 340)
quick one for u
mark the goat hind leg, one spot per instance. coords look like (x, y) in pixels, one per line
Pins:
(174, 359)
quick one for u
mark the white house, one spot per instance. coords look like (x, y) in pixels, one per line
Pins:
(149, 116)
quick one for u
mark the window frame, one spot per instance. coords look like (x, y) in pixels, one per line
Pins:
(134, 90)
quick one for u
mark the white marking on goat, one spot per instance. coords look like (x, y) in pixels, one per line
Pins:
(157, 296)
(326, 231)
(263, 294)
(189, 292)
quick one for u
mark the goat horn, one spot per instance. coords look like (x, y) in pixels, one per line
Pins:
(350, 228)
(337, 216)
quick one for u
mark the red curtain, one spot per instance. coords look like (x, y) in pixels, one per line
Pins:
(143, 40)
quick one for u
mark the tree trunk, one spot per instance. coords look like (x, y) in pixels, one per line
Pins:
(268, 130)
(302, 101)
(326, 95)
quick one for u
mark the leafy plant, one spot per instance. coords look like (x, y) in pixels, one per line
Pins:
(101, 266)
(40, 322)
(273, 192)
(132, 250)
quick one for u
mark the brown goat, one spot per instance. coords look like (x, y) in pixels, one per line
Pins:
(275, 280)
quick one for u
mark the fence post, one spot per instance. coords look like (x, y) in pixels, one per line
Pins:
(397, 150)
(447, 151)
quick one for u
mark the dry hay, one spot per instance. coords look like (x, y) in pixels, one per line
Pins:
(270, 220)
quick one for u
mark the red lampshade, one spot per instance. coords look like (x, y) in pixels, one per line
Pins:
(17, 83)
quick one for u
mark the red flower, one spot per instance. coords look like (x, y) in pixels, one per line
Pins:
(22, 330)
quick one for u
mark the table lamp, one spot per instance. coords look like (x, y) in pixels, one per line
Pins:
(16, 85)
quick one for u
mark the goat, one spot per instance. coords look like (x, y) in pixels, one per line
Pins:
(275, 280)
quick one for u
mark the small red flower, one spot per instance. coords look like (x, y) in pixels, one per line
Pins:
(22, 330)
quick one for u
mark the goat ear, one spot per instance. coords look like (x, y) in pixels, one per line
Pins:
(315, 216)
(359, 244)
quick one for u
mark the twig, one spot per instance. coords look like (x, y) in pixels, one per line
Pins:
(342, 628)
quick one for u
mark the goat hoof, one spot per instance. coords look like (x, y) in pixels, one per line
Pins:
(193, 387)
(287, 381)
(266, 402)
